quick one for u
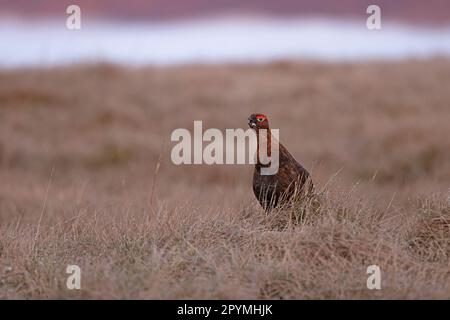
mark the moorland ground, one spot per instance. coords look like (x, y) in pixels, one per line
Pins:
(86, 179)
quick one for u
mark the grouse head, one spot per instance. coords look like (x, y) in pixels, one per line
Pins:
(258, 121)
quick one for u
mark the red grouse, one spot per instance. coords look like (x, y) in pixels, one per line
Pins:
(290, 182)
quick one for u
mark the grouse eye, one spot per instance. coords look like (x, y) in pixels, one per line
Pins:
(260, 119)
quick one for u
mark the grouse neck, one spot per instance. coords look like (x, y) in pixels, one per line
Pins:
(264, 136)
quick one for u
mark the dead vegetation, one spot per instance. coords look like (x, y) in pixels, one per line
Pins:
(86, 179)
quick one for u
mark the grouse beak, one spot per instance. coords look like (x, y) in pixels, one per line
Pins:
(251, 123)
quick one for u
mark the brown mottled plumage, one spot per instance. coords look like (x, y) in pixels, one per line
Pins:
(291, 180)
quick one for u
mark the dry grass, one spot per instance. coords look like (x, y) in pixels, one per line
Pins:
(79, 148)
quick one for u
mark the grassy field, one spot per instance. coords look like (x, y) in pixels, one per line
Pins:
(86, 179)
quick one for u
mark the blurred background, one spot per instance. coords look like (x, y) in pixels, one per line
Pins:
(106, 98)
(203, 31)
